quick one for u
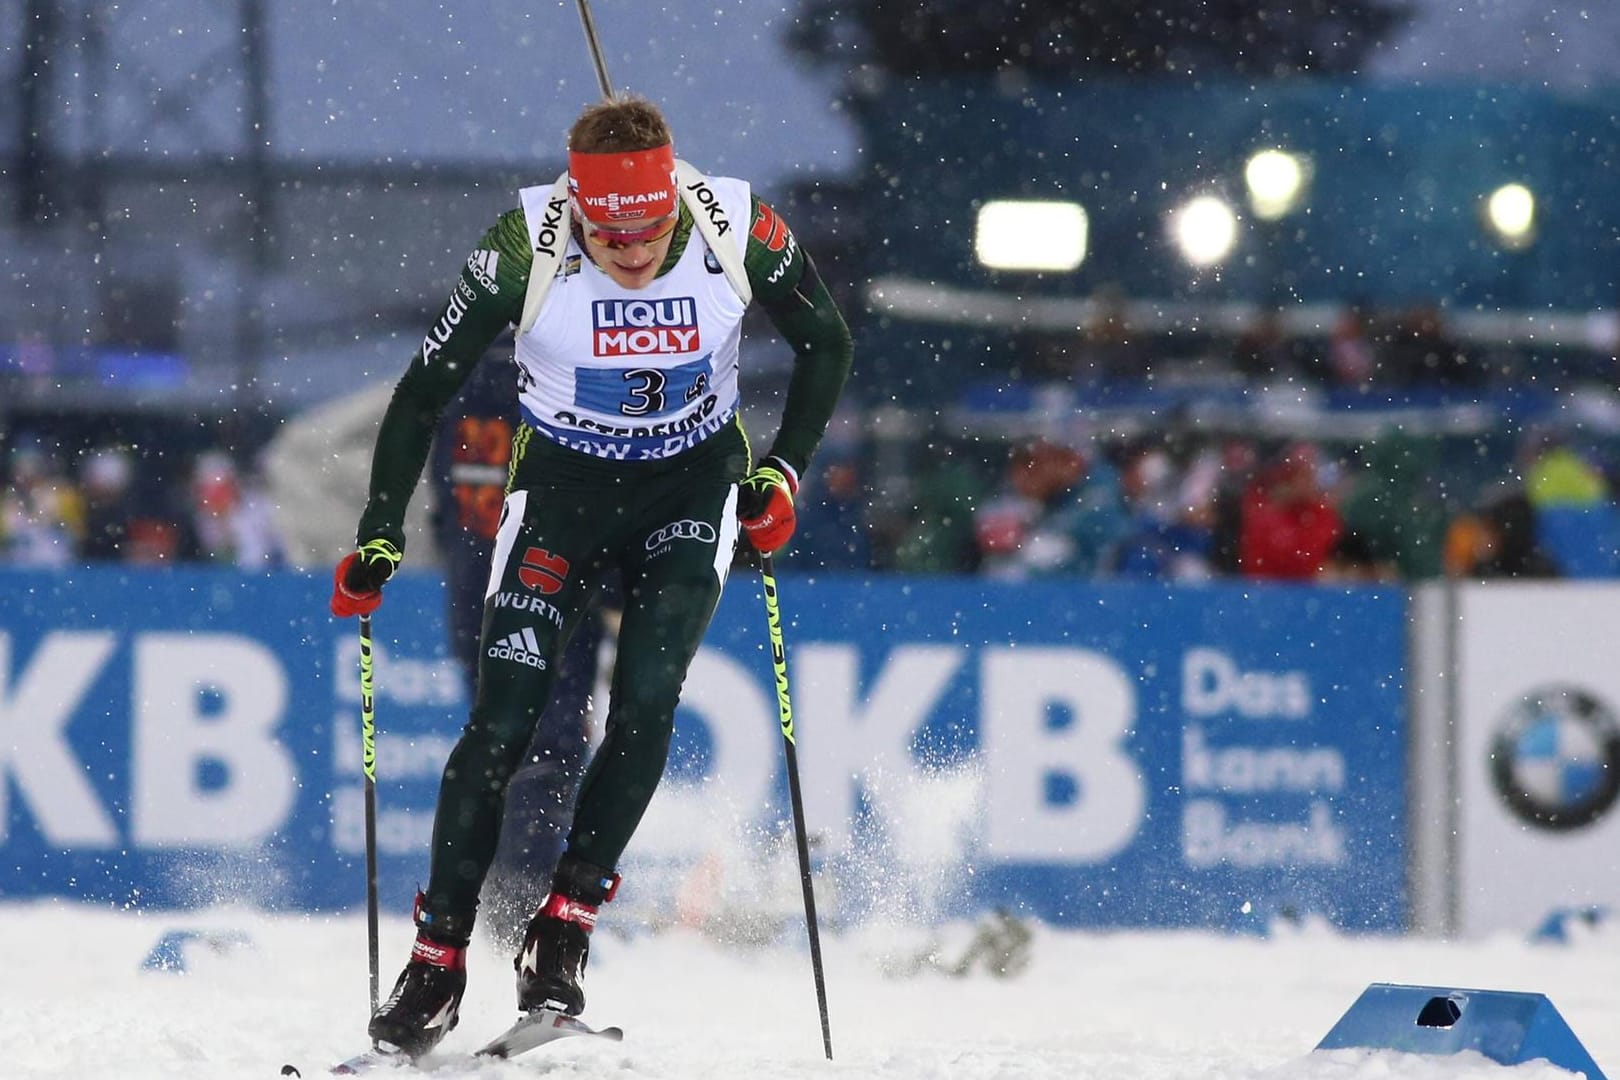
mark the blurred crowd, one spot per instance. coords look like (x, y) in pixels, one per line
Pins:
(109, 504)
(1167, 506)
(1182, 502)
(1165, 500)
(1174, 508)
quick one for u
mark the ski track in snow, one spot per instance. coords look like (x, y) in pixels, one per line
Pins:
(1138, 1005)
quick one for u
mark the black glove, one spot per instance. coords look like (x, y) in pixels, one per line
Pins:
(357, 584)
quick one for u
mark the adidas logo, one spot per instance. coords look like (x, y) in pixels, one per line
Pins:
(482, 265)
(446, 1016)
(530, 960)
(522, 647)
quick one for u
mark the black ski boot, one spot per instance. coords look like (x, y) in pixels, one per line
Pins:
(426, 1003)
(558, 940)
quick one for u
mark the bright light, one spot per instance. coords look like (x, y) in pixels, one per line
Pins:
(1030, 234)
(1205, 229)
(1276, 182)
(1511, 211)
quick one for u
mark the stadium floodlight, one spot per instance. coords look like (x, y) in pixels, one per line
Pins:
(1205, 229)
(1510, 211)
(1031, 234)
(1276, 180)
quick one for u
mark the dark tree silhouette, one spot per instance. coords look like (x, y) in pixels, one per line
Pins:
(1254, 39)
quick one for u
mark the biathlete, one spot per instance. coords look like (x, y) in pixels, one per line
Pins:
(626, 282)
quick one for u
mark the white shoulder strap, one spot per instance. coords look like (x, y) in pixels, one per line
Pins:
(549, 225)
(712, 222)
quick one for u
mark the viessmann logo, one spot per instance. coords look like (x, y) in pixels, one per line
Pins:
(1555, 758)
(639, 327)
(624, 204)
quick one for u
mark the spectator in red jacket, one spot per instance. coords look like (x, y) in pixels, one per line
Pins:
(1290, 525)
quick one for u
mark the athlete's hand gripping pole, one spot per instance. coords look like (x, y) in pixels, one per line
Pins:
(784, 707)
(357, 583)
(765, 505)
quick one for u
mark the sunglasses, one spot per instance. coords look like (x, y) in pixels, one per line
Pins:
(618, 239)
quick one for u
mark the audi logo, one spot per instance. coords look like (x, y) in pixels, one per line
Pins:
(685, 529)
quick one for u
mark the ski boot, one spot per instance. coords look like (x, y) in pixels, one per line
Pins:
(558, 940)
(426, 1003)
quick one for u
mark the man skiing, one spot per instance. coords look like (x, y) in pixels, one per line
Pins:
(627, 281)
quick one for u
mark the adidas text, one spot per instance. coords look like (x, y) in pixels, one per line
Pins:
(521, 648)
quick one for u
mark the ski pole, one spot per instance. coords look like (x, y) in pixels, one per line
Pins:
(784, 708)
(368, 743)
(596, 49)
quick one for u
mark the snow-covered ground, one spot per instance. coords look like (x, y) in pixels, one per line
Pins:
(259, 991)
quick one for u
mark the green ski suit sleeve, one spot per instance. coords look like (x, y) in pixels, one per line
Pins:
(480, 307)
(787, 286)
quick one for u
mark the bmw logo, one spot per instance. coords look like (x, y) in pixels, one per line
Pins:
(1555, 760)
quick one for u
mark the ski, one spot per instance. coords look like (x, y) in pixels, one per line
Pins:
(532, 1030)
(369, 1062)
(540, 1027)
(372, 1061)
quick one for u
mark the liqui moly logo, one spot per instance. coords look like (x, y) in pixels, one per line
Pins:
(636, 327)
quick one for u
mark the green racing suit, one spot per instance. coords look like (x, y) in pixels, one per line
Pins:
(667, 526)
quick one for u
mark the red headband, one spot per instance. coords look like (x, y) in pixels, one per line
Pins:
(611, 187)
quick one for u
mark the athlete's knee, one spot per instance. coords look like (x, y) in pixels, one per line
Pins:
(494, 740)
(642, 709)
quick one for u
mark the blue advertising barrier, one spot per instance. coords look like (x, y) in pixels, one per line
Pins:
(1095, 754)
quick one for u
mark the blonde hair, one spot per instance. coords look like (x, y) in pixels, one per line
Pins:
(619, 124)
